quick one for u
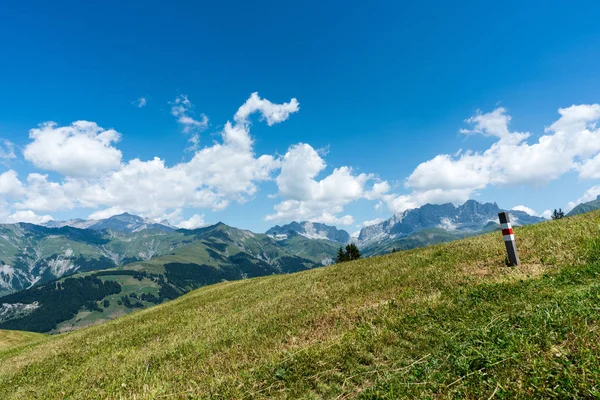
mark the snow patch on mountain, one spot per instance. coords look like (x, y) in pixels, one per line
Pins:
(470, 217)
(10, 311)
(310, 230)
(447, 224)
(7, 274)
(62, 264)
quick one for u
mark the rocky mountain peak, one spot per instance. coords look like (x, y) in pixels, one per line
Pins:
(472, 216)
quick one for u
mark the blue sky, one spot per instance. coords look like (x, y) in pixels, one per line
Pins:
(382, 87)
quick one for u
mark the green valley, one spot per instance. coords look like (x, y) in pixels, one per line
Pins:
(180, 261)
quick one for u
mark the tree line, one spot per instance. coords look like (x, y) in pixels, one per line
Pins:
(350, 253)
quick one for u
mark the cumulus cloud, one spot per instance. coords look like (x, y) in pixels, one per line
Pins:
(572, 143)
(494, 123)
(94, 175)
(43, 195)
(10, 185)
(546, 214)
(106, 213)
(28, 216)
(525, 209)
(272, 113)
(82, 149)
(307, 198)
(196, 221)
(228, 171)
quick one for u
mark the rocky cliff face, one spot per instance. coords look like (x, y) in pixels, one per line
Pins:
(472, 216)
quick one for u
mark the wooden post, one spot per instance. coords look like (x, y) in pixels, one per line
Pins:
(509, 239)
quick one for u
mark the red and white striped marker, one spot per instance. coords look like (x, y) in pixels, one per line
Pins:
(509, 239)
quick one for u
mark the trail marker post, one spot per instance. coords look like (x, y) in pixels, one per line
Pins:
(509, 239)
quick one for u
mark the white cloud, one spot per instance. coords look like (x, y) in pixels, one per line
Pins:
(494, 123)
(590, 169)
(82, 149)
(525, 209)
(307, 198)
(28, 216)
(196, 221)
(273, 113)
(213, 178)
(7, 152)
(371, 222)
(10, 185)
(572, 143)
(106, 213)
(446, 172)
(399, 203)
(546, 214)
(44, 195)
(181, 108)
(141, 102)
(229, 170)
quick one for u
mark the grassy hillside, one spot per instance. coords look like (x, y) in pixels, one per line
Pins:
(447, 321)
(9, 339)
(423, 238)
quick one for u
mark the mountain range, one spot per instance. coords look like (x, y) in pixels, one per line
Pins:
(121, 223)
(470, 218)
(146, 262)
(32, 254)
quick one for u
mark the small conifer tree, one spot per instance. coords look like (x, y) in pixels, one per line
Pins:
(341, 257)
(350, 253)
(558, 214)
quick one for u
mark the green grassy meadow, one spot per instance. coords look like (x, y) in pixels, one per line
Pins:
(11, 339)
(446, 321)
